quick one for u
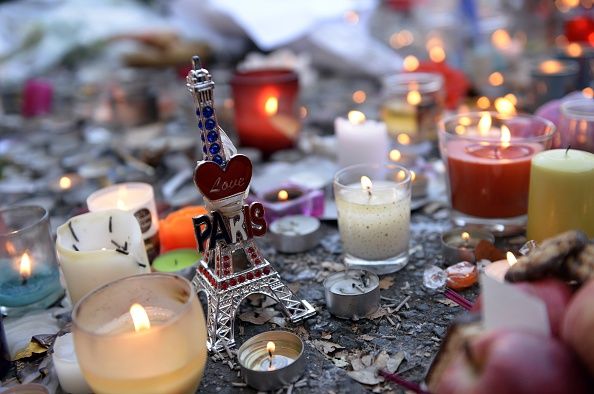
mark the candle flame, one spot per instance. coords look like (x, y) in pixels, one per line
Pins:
(551, 66)
(356, 117)
(403, 139)
(411, 63)
(465, 236)
(413, 97)
(505, 106)
(437, 54)
(496, 79)
(395, 155)
(270, 348)
(366, 183)
(65, 182)
(588, 92)
(283, 195)
(483, 102)
(139, 318)
(25, 266)
(574, 49)
(500, 39)
(359, 96)
(484, 124)
(511, 259)
(271, 106)
(505, 136)
(122, 194)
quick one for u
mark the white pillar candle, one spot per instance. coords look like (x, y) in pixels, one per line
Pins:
(98, 247)
(360, 141)
(67, 368)
(136, 198)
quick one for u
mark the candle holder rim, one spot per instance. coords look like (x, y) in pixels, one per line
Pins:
(264, 75)
(391, 166)
(40, 209)
(335, 276)
(568, 110)
(153, 275)
(399, 83)
(444, 130)
(257, 338)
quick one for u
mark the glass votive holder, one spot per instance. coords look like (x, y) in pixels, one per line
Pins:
(266, 108)
(487, 157)
(29, 274)
(373, 204)
(552, 79)
(583, 55)
(141, 334)
(576, 125)
(412, 105)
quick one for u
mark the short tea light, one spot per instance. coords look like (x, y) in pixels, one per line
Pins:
(295, 233)
(180, 261)
(352, 294)
(553, 79)
(290, 200)
(271, 360)
(583, 55)
(459, 244)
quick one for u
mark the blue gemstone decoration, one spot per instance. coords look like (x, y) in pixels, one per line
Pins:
(207, 111)
(204, 148)
(202, 137)
(200, 124)
(210, 124)
(214, 148)
(198, 112)
(218, 159)
(212, 136)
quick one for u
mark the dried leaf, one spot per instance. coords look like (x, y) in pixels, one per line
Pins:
(365, 368)
(326, 347)
(447, 302)
(302, 332)
(386, 282)
(326, 335)
(279, 321)
(366, 337)
(366, 376)
(259, 316)
(381, 312)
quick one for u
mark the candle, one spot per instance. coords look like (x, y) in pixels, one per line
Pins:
(294, 233)
(176, 231)
(352, 294)
(180, 261)
(360, 140)
(552, 79)
(98, 247)
(419, 184)
(29, 274)
(374, 216)
(576, 124)
(459, 244)
(488, 165)
(583, 56)
(67, 368)
(271, 360)
(561, 195)
(141, 334)
(137, 198)
(289, 199)
(499, 268)
(66, 182)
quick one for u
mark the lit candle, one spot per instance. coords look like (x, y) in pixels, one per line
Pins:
(360, 140)
(583, 56)
(289, 199)
(459, 244)
(553, 79)
(499, 268)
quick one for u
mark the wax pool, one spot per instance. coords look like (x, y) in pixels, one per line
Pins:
(14, 292)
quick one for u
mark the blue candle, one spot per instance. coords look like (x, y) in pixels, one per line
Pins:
(18, 290)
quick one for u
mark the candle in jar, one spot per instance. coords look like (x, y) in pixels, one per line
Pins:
(553, 79)
(176, 231)
(459, 244)
(67, 368)
(290, 199)
(561, 193)
(360, 140)
(499, 268)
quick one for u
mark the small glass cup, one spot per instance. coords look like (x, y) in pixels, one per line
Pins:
(487, 157)
(576, 125)
(29, 274)
(117, 357)
(412, 106)
(266, 108)
(552, 79)
(374, 217)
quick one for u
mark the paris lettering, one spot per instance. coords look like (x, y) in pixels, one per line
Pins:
(214, 227)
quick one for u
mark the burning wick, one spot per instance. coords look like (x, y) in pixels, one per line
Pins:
(139, 318)
(270, 347)
(271, 106)
(25, 268)
(465, 237)
(366, 184)
(567, 150)
(283, 195)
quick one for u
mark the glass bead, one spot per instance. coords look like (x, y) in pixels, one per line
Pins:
(218, 159)
(212, 136)
(210, 124)
(207, 111)
(214, 148)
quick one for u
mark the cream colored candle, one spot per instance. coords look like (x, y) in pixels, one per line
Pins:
(359, 140)
(561, 195)
(98, 247)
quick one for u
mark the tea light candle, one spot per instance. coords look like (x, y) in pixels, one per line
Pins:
(137, 198)
(66, 183)
(290, 200)
(499, 268)
(67, 368)
(271, 360)
(360, 140)
(458, 244)
(583, 55)
(295, 233)
(98, 247)
(352, 294)
(553, 79)
(180, 261)
(176, 231)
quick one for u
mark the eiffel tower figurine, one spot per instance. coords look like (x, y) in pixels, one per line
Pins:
(232, 266)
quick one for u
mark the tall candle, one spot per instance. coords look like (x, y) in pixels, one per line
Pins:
(360, 140)
(98, 247)
(561, 193)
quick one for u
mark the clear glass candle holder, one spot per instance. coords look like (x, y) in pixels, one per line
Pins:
(576, 125)
(552, 79)
(373, 204)
(121, 353)
(412, 105)
(487, 157)
(29, 274)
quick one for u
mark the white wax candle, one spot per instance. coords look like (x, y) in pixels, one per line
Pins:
(364, 142)
(67, 368)
(375, 227)
(98, 247)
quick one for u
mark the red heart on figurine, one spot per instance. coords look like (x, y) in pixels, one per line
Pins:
(216, 183)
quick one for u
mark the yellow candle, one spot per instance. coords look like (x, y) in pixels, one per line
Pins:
(561, 193)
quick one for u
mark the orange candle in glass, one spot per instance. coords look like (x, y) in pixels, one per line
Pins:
(176, 231)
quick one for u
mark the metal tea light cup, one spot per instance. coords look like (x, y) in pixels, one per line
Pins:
(352, 294)
(456, 249)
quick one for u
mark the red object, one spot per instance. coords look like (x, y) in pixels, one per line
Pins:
(462, 275)
(216, 183)
(266, 111)
(579, 29)
(455, 82)
(489, 181)
(37, 98)
(176, 231)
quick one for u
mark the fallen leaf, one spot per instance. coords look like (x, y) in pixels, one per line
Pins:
(326, 347)
(447, 302)
(365, 368)
(302, 332)
(381, 312)
(366, 337)
(326, 335)
(386, 282)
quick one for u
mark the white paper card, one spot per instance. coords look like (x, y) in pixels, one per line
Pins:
(507, 307)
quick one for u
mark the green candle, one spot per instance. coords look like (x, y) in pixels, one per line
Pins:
(176, 260)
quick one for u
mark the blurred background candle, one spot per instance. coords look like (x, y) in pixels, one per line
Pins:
(143, 334)
(576, 125)
(266, 108)
(290, 199)
(552, 79)
(373, 203)
(176, 231)
(29, 274)
(487, 158)
(561, 193)
(98, 247)
(583, 55)
(360, 140)
(136, 198)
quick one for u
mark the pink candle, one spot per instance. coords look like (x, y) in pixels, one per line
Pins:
(499, 268)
